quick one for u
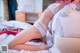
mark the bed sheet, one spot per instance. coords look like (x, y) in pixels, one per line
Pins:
(8, 38)
(5, 39)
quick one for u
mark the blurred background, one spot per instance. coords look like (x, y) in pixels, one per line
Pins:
(22, 10)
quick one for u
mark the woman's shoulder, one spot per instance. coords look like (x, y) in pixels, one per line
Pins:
(68, 7)
(54, 5)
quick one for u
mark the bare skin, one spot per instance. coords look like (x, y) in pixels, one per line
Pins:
(32, 32)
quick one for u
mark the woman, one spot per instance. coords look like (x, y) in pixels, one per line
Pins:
(66, 24)
(38, 30)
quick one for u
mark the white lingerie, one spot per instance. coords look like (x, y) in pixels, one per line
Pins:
(66, 25)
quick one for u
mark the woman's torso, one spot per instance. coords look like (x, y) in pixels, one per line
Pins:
(66, 23)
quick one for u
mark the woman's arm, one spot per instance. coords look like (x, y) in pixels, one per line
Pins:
(46, 17)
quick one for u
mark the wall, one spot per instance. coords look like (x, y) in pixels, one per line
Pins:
(30, 5)
(46, 3)
(38, 5)
(6, 11)
(1, 9)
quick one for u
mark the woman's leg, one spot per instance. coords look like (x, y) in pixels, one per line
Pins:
(23, 37)
(31, 33)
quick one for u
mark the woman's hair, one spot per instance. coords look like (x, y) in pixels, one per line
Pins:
(72, 0)
(64, 0)
(59, 0)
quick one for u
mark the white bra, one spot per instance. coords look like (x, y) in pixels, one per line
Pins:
(70, 43)
(71, 25)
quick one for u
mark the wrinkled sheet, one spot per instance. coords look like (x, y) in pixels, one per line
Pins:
(5, 39)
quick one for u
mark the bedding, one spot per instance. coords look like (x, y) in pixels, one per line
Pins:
(6, 38)
(10, 37)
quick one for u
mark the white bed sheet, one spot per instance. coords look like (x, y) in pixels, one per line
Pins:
(5, 39)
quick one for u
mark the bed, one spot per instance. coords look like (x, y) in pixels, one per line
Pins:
(5, 38)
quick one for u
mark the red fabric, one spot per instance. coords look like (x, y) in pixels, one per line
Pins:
(13, 31)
